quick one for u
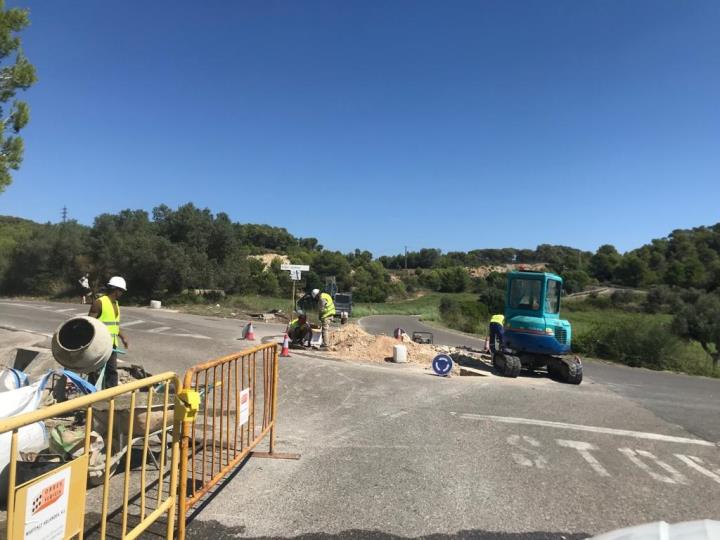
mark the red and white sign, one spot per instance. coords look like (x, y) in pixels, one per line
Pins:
(244, 406)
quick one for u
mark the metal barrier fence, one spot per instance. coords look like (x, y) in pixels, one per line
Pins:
(119, 423)
(238, 406)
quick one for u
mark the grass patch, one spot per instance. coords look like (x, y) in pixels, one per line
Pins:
(583, 320)
(635, 339)
(426, 306)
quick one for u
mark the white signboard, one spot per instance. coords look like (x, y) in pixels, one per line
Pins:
(291, 267)
(244, 406)
(296, 275)
(46, 507)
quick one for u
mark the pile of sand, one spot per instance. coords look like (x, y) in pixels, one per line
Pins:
(352, 342)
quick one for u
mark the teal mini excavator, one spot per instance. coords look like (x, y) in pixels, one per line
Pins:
(535, 335)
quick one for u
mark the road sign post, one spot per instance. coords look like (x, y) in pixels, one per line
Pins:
(296, 271)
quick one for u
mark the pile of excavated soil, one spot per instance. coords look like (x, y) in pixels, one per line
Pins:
(352, 342)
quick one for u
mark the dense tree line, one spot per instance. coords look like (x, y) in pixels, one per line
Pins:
(685, 259)
(173, 250)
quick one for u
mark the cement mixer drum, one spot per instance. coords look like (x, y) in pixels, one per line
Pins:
(82, 344)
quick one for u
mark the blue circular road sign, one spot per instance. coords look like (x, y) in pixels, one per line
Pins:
(442, 364)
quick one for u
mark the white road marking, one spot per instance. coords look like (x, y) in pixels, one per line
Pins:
(536, 458)
(131, 323)
(81, 314)
(584, 449)
(15, 329)
(194, 336)
(64, 310)
(158, 329)
(697, 464)
(633, 455)
(591, 429)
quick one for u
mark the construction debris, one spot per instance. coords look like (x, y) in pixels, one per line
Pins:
(352, 342)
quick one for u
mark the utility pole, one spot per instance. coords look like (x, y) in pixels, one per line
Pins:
(406, 259)
(64, 214)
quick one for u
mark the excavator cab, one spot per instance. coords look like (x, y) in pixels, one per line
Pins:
(532, 314)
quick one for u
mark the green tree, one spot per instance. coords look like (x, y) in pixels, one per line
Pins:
(604, 262)
(701, 321)
(454, 279)
(17, 74)
(632, 271)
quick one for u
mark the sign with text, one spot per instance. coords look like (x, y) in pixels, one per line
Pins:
(296, 275)
(43, 503)
(291, 267)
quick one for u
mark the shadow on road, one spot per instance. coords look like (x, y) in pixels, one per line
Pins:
(219, 531)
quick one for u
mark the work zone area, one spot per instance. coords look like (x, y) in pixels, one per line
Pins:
(130, 460)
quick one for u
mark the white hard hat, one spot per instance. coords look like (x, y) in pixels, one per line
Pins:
(315, 292)
(118, 283)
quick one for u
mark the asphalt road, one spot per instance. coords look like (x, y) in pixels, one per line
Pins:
(691, 402)
(392, 451)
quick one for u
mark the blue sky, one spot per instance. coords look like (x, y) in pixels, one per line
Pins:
(375, 125)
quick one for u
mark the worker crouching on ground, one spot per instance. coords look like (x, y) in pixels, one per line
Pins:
(497, 333)
(326, 310)
(299, 331)
(107, 310)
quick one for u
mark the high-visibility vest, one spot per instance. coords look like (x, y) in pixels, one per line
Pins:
(295, 323)
(329, 310)
(107, 317)
(500, 319)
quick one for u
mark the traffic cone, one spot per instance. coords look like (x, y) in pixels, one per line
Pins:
(249, 333)
(285, 347)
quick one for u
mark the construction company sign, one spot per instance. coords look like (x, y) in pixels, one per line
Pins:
(42, 504)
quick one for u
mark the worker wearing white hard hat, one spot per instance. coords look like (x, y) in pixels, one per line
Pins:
(107, 310)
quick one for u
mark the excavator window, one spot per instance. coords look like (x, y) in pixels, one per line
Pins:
(552, 297)
(525, 294)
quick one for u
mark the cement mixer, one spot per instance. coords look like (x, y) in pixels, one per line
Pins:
(82, 344)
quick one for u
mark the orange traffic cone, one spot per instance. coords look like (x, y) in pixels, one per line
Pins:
(285, 347)
(249, 333)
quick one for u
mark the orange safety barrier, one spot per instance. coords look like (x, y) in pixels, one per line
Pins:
(238, 409)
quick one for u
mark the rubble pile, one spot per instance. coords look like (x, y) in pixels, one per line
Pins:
(352, 342)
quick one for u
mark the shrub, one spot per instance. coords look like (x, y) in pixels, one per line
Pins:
(466, 316)
(650, 344)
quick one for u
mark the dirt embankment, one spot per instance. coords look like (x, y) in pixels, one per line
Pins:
(484, 271)
(268, 258)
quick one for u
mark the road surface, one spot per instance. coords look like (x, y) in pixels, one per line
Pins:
(392, 451)
(692, 402)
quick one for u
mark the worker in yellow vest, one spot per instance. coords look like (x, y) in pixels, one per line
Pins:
(107, 310)
(326, 310)
(299, 331)
(496, 330)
